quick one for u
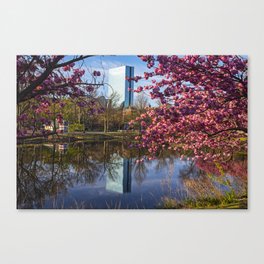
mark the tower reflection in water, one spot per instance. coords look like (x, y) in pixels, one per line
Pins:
(121, 181)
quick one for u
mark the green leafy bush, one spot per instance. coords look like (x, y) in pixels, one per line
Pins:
(76, 127)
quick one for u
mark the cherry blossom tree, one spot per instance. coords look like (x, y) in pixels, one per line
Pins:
(203, 111)
(43, 81)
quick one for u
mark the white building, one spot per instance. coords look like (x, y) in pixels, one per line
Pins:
(120, 182)
(118, 82)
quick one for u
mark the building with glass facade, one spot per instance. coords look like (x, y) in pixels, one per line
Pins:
(118, 82)
(120, 182)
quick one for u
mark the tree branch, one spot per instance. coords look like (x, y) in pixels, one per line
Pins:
(241, 129)
(22, 96)
(72, 61)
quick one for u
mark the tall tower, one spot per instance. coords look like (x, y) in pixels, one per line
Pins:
(119, 82)
(121, 181)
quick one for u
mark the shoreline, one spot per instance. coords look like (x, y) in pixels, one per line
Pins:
(78, 136)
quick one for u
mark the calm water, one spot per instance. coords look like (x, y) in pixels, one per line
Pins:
(107, 175)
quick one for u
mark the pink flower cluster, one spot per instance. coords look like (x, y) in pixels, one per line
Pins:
(96, 73)
(204, 105)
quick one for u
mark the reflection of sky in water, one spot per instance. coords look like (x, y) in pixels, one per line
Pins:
(158, 182)
(124, 183)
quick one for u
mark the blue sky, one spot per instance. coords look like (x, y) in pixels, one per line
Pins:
(117, 60)
(104, 62)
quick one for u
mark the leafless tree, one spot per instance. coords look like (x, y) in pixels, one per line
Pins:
(141, 102)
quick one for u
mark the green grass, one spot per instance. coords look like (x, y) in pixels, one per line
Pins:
(229, 201)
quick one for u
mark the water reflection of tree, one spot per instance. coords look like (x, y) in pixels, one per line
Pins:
(85, 166)
(110, 159)
(189, 171)
(165, 160)
(237, 168)
(43, 171)
(140, 169)
(36, 179)
(204, 178)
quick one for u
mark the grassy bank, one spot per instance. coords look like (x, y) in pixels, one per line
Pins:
(226, 202)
